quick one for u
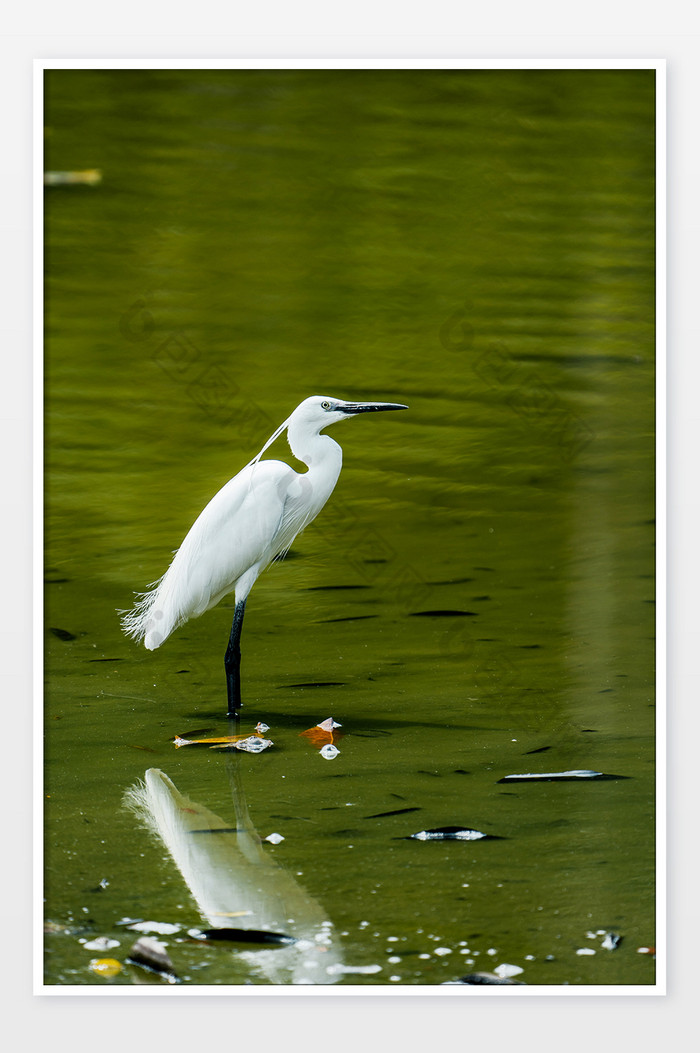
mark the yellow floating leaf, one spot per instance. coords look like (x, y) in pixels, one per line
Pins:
(106, 966)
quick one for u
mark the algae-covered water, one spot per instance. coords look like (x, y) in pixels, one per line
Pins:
(477, 598)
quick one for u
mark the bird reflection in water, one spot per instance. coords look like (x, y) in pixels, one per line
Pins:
(234, 881)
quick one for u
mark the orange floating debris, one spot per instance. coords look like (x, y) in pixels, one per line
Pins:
(323, 734)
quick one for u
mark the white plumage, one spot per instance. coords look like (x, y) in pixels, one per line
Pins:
(251, 521)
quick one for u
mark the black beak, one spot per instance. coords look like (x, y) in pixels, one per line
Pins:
(369, 407)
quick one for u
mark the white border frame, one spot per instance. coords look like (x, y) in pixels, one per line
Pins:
(659, 988)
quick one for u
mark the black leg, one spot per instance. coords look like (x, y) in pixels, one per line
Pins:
(232, 661)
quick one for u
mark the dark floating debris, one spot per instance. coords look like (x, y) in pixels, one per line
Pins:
(484, 978)
(450, 833)
(262, 936)
(396, 811)
(217, 830)
(443, 614)
(455, 581)
(151, 954)
(575, 775)
(334, 588)
(63, 634)
(315, 683)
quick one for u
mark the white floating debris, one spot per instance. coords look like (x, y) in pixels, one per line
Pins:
(261, 728)
(328, 724)
(361, 970)
(492, 951)
(575, 773)
(441, 951)
(253, 744)
(448, 833)
(274, 839)
(101, 943)
(585, 950)
(329, 751)
(611, 941)
(164, 928)
(505, 971)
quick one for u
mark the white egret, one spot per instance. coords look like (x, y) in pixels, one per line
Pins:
(250, 522)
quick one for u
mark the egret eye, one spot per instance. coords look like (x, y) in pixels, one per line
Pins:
(325, 405)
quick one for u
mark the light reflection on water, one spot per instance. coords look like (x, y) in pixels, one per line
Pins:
(480, 246)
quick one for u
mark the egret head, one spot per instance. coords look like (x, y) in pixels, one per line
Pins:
(315, 413)
(321, 410)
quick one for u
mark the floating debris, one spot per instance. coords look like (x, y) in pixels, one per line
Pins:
(90, 177)
(215, 830)
(359, 970)
(329, 752)
(63, 634)
(323, 734)
(106, 966)
(317, 683)
(274, 839)
(585, 950)
(329, 724)
(611, 941)
(253, 744)
(163, 928)
(101, 943)
(262, 936)
(483, 978)
(248, 744)
(151, 954)
(225, 741)
(396, 811)
(647, 950)
(574, 775)
(506, 971)
(261, 728)
(450, 833)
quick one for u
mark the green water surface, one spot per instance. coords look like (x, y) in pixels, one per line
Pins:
(476, 599)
